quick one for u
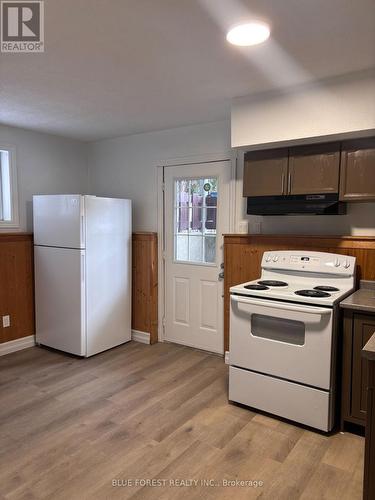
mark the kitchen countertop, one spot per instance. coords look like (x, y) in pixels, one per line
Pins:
(361, 300)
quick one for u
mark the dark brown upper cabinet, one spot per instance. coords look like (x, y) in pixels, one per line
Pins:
(358, 171)
(266, 173)
(314, 169)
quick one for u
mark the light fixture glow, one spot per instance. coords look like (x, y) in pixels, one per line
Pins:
(248, 34)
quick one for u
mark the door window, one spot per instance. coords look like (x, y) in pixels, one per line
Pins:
(195, 216)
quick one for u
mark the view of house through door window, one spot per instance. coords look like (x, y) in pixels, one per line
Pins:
(195, 220)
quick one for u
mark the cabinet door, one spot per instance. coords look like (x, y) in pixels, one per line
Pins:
(358, 171)
(265, 173)
(364, 327)
(314, 169)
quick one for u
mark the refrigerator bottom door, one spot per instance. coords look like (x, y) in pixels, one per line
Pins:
(60, 299)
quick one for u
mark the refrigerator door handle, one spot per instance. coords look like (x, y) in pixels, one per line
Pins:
(82, 229)
(83, 270)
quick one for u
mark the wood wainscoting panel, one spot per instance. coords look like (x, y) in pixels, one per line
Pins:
(243, 255)
(16, 285)
(145, 284)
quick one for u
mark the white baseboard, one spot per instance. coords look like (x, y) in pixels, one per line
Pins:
(142, 337)
(17, 345)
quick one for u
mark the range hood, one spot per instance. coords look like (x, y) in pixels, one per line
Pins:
(316, 204)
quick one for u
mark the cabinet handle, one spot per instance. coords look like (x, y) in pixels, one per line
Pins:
(282, 183)
(289, 182)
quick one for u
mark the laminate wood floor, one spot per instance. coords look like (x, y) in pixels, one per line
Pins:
(71, 427)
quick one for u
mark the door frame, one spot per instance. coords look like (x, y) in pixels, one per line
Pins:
(230, 156)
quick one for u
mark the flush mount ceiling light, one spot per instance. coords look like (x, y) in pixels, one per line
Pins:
(248, 34)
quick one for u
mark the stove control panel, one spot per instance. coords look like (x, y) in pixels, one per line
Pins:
(317, 262)
(304, 259)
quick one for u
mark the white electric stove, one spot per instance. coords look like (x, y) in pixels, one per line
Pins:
(283, 335)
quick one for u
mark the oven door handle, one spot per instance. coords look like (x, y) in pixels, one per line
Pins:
(285, 307)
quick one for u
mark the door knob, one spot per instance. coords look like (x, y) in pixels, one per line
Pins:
(221, 275)
(222, 265)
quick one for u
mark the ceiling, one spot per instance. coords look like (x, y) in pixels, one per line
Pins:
(118, 67)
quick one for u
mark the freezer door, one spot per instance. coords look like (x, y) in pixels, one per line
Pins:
(59, 220)
(108, 285)
(59, 299)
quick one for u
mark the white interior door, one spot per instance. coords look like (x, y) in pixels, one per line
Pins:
(197, 213)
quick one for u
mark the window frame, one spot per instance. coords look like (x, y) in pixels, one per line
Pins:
(14, 223)
(203, 236)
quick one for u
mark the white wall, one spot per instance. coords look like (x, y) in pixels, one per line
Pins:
(338, 108)
(126, 166)
(46, 164)
(324, 109)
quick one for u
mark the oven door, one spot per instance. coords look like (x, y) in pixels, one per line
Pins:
(286, 340)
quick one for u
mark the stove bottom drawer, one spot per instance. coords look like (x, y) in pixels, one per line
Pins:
(299, 403)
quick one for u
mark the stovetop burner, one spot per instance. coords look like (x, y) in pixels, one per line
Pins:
(312, 293)
(326, 288)
(256, 287)
(272, 283)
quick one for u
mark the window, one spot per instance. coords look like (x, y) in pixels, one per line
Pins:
(278, 329)
(8, 189)
(195, 214)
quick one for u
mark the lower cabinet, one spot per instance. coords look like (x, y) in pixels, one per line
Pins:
(369, 476)
(358, 328)
(363, 329)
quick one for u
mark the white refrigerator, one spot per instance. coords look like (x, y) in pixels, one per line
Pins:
(82, 252)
